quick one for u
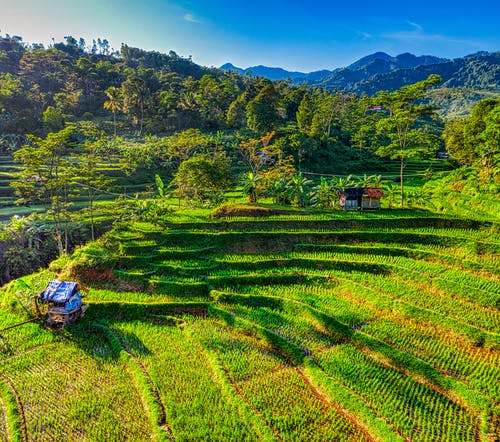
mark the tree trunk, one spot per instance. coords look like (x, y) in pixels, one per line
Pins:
(66, 216)
(401, 169)
(91, 203)
(57, 229)
(142, 119)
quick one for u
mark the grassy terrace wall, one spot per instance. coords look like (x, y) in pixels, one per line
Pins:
(291, 328)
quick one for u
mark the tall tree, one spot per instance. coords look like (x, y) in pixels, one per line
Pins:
(46, 176)
(405, 110)
(53, 120)
(236, 117)
(453, 136)
(183, 144)
(491, 137)
(135, 93)
(257, 154)
(262, 114)
(201, 178)
(479, 132)
(305, 114)
(114, 102)
(474, 139)
(90, 177)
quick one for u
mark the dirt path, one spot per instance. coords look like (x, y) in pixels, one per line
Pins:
(4, 434)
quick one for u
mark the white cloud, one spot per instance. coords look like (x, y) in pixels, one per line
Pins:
(191, 18)
(418, 35)
(364, 35)
(415, 25)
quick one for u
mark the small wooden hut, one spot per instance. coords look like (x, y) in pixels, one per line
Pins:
(359, 198)
(65, 301)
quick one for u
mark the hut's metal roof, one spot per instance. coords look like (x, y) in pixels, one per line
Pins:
(352, 192)
(373, 192)
(58, 291)
(356, 192)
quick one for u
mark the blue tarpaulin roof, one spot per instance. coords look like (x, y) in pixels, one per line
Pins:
(58, 291)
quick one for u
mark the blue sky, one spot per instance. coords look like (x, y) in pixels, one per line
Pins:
(296, 35)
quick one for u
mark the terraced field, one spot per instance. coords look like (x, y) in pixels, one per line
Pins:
(296, 328)
(122, 185)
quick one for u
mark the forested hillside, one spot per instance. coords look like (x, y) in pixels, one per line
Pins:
(136, 93)
(478, 71)
(466, 80)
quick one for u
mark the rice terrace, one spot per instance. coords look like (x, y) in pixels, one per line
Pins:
(201, 253)
(319, 327)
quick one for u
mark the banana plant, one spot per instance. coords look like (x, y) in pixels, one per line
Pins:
(279, 190)
(298, 189)
(250, 182)
(324, 194)
(343, 183)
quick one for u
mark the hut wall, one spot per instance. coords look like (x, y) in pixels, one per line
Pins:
(351, 204)
(370, 203)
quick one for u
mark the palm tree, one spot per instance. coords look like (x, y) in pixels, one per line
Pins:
(114, 102)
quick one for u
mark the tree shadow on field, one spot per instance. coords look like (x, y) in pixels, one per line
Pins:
(396, 358)
(96, 336)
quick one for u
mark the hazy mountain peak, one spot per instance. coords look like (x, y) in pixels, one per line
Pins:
(230, 67)
(369, 59)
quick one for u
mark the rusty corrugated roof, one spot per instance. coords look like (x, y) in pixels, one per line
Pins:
(373, 192)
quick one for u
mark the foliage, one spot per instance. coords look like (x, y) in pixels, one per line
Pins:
(25, 244)
(53, 120)
(256, 153)
(325, 194)
(261, 112)
(299, 190)
(201, 179)
(114, 102)
(184, 144)
(135, 93)
(46, 177)
(475, 140)
(406, 138)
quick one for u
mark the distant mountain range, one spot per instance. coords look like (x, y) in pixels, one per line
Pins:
(277, 73)
(380, 71)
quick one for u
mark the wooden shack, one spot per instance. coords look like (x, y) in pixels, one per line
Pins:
(65, 302)
(360, 198)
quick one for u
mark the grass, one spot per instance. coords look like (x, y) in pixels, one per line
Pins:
(305, 325)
